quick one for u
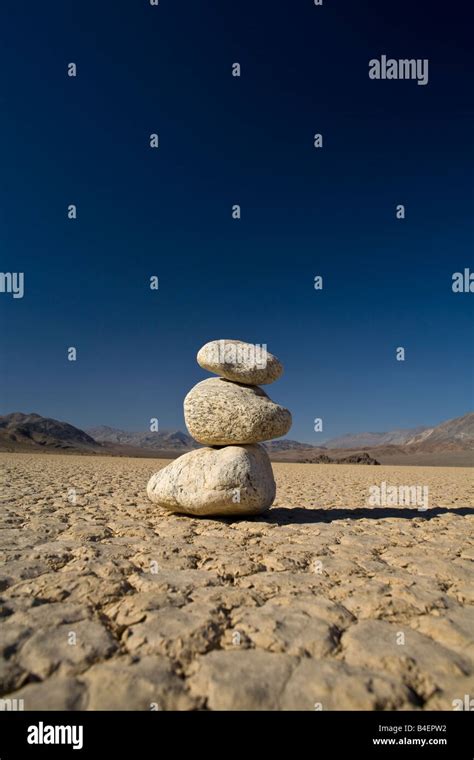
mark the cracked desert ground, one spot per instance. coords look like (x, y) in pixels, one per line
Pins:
(324, 603)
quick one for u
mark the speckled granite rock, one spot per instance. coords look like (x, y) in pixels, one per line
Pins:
(240, 362)
(219, 412)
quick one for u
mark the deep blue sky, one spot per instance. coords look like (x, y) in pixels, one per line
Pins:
(224, 140)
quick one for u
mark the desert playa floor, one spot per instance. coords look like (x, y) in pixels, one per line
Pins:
(325, 603)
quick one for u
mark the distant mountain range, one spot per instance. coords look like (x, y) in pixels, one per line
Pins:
(456, 433)
(392, 438)
(171, 439)
(32, 431)
(166, 439)
(451, 442)
(286, 444)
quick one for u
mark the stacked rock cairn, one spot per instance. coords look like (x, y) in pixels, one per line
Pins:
(231, 415)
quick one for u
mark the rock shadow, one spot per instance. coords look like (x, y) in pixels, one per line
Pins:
(302, 515)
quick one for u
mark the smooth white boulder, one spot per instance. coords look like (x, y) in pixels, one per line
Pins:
(233, 480)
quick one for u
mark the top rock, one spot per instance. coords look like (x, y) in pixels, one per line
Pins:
(240, 362)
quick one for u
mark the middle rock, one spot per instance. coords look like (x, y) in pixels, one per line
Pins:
(219, 412)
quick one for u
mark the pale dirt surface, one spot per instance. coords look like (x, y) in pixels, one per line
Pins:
(323, 602)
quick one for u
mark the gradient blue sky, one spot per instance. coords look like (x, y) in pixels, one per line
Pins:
(224, 140)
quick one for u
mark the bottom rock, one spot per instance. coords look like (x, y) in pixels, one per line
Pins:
(233, 480)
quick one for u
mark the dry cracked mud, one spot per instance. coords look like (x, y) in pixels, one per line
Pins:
(109, 602)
